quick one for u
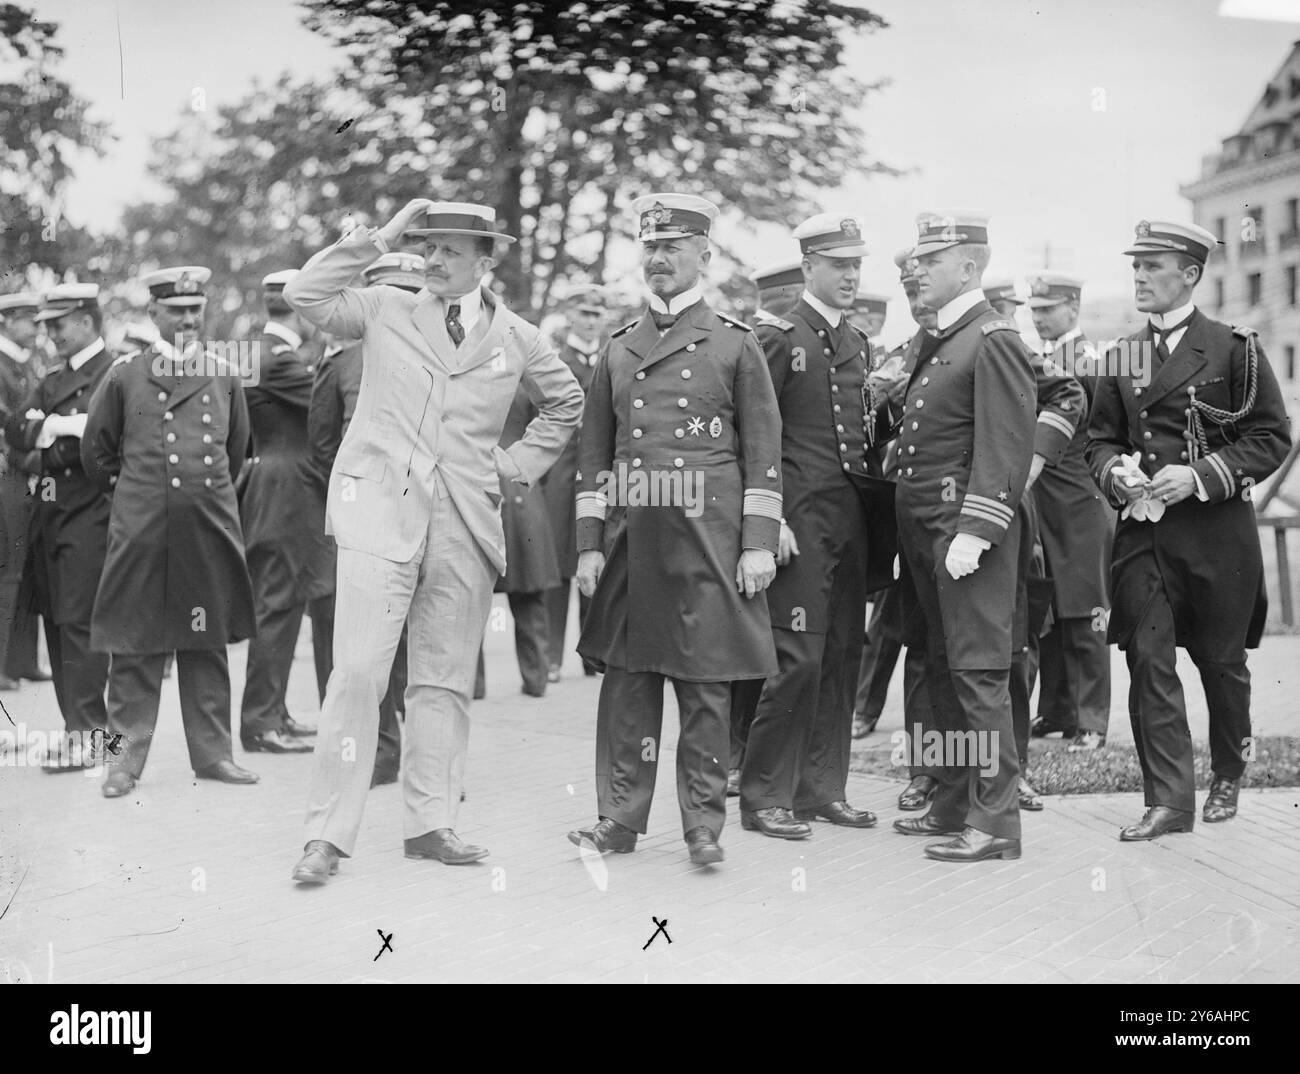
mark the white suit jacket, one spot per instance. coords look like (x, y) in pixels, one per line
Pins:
(425, 408)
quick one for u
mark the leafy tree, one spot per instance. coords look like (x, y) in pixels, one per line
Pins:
(559, 113)
(43, 125)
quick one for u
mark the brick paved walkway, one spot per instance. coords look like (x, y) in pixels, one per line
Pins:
(189, 881)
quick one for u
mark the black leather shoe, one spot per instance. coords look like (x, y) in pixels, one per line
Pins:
(776, 821)
(444, 845)
(1159, 820)
(319, 863)
(227, 772)
(733, 783)
(863, 725)
(1029, 800)
(974, 845)
(1040, 728)
(383, 776)
(274, 742)
(924, 825)
(917, 794)
(534, 691)
(607, 836)
(703, 846)
(294, 729)
(118, 783)
(1222, 802)
(840, 813)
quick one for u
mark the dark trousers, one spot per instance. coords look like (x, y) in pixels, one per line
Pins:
(744, 703)
(270, 659)
(134, 686)
(80, 675)
(1158, 711)
(557, 612)
(532, 637)
(20, 656)
(629, 719)
(780, 734)
(876, 668)
(1074, 667)
(1020, 684)
(918, 713)
(388, 755)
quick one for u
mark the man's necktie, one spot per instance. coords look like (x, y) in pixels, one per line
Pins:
(1162, 334)
(663, 321)
(454, 327)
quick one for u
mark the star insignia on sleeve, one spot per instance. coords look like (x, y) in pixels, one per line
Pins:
(1002, 495)
(696, 426)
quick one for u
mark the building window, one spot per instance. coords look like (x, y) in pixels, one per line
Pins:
(1290, 285)
(1254, 288)
(1290, 361)
(1218, 294)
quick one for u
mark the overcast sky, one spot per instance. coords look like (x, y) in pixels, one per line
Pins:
(1067, 120)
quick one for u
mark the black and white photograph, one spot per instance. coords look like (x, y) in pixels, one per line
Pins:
(651, 492)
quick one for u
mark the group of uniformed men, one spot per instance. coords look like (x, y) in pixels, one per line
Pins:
(733, 499)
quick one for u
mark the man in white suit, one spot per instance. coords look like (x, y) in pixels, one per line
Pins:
(414, 504)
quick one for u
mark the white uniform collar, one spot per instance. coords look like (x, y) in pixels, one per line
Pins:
(275, 328)
(9, 347)
(829, 314)
(582, 346)
(85, 355)
(959, 307)
(678, 302)
(1172, 317)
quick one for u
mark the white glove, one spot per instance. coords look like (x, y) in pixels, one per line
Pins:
(964, 554)
(1146, 509)
(51, 430)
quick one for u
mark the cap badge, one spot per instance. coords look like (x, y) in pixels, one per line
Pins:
(187, 285)
(850, 227)
(1040, 288)
(1143, 229)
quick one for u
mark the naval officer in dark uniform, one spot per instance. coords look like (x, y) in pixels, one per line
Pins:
(1194, 408)
(70, 528)
(1076, 526)
(679, 509)
(167, 433)
(282, 510)
(838, 529)
(965, 446)
(585, 310)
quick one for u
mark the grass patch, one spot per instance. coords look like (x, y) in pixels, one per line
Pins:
(1115, 769)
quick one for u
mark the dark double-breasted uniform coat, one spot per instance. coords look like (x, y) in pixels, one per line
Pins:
(841, 513)
(684, 423)
(282, 510)
(1194, 578)
(965, 445)
(68, 535)
(169, 447)
(1076, 526)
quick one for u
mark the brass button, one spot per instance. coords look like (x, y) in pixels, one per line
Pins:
(836, 408)
(638, 403)
(207, 419)
(640, 375)
(915, 426)
(679, 433)
(637, 434)
(1146, 435)
(911, 450)
(207, 460)
(1137, 391)
(1152, 456)
(686, 374)
(839, 428)
(207, 438)
(844, 447)
(162, 397)
(1183, 455)
(920, 403)
(176, 482)
(846, 466)
(207, 482)
(835, 387)
(1142, 414)
(171, 438)
(690, 346)
(909, 471)
(173, 459)
(168, 416)
(636, 462)
(205, 397)
(682, 402)
(925, 381)
(679, 462)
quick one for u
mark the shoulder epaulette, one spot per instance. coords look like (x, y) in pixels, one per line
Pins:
(994, 326)
(124, 359)
(727, 319)
(625, 329)
(1245, 333)
(771, 320)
